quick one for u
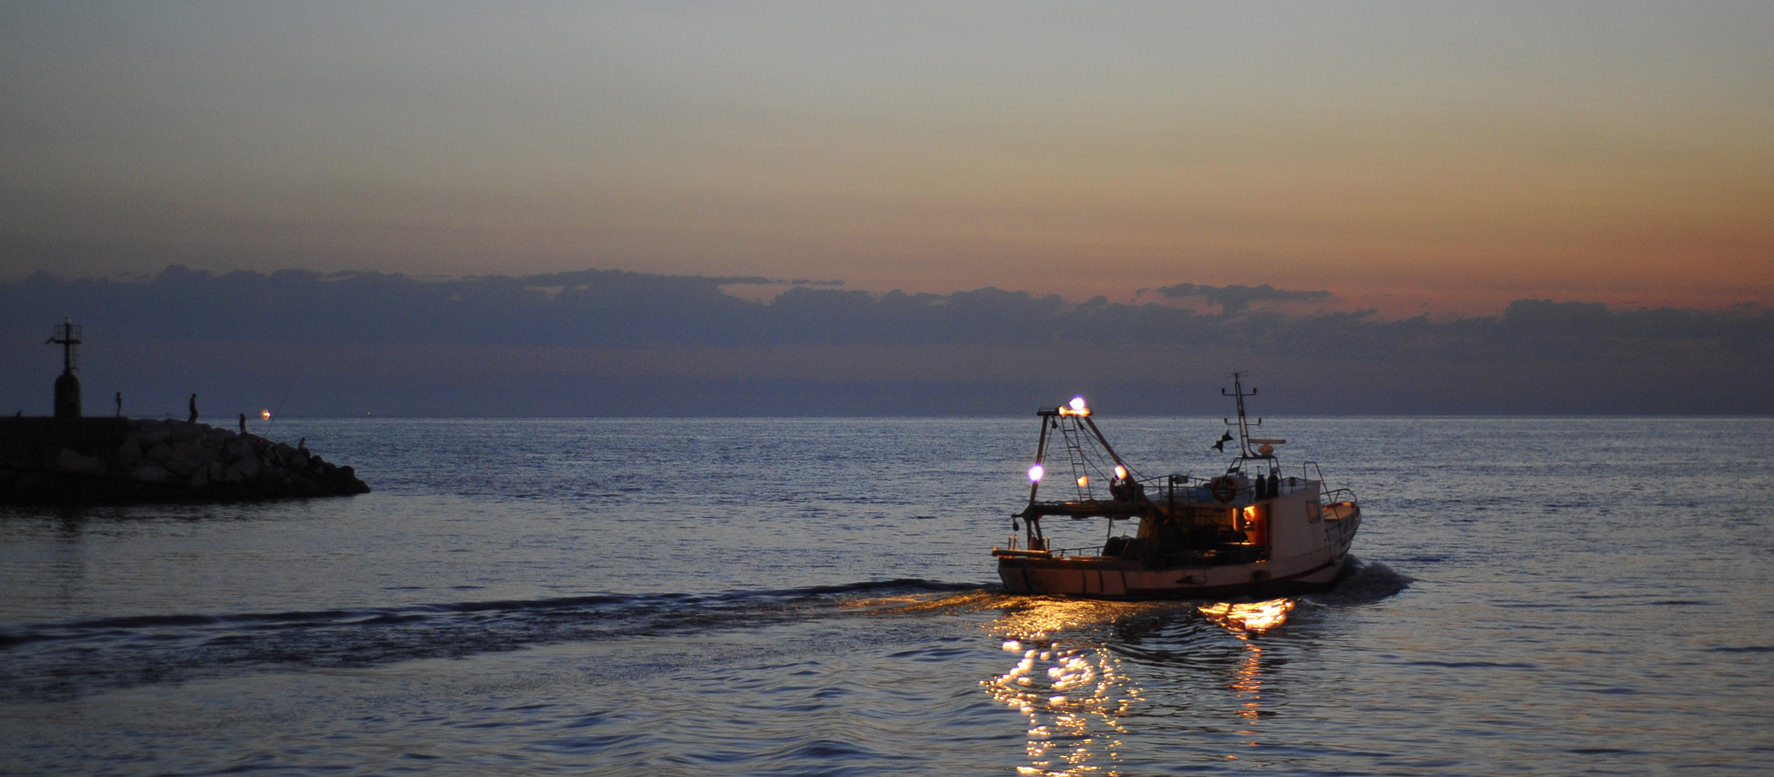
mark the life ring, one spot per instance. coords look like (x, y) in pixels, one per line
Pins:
(1223, 488)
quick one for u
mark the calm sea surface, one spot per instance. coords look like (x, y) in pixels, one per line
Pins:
(1540, 596)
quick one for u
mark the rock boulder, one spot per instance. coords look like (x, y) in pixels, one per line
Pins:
(126, 460)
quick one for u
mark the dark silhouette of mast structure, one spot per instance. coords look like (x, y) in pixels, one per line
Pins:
(67, 387)
(1244, 424)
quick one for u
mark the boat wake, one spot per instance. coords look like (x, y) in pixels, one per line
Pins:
(73, 659)
(50, 661)
(1362, 583)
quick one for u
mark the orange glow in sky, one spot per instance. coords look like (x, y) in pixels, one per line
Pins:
(1406, 156)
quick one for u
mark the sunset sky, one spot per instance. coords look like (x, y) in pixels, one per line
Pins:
(1441, 158)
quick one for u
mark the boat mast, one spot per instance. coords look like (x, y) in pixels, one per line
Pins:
(1077, 415)
(1244, 424)
(1047, 419)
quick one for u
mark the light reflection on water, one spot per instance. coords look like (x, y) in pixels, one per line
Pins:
(1074, 699)
(1074, 695)
(1246, 618)
(1077, 697)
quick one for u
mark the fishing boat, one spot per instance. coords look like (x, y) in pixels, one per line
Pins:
(1250, 532)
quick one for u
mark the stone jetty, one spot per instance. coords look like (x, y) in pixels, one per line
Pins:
(123, 460)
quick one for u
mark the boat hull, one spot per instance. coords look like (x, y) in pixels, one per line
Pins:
(1113, 578)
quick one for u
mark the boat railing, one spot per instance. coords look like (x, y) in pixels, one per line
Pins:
(1310, 468)
(1326, 494)
(1170, 489)
(1041, 547)
(1229, 552)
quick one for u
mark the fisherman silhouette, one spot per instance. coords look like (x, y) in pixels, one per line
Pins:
(193, 408)
(243, 423)
(119, 404)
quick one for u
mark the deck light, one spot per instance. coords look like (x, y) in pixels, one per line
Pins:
(1075, 407)
(1083, 481)
(1120, 472)
(1035, 473)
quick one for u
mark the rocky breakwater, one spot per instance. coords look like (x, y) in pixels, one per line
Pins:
(95, 460)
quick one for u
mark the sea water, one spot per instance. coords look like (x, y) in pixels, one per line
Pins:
(1542, 596)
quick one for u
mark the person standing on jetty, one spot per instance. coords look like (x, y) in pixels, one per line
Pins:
(193, 408)
(243, 423)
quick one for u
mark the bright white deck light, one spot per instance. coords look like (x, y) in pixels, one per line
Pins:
(1035, 473)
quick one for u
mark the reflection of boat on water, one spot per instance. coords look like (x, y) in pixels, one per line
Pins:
(1069, 686)
(1249, 617)
(1074, 698)
(1081, 666)
(1250, 532)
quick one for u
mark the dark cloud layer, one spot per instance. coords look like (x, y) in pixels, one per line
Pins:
(611, 342)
